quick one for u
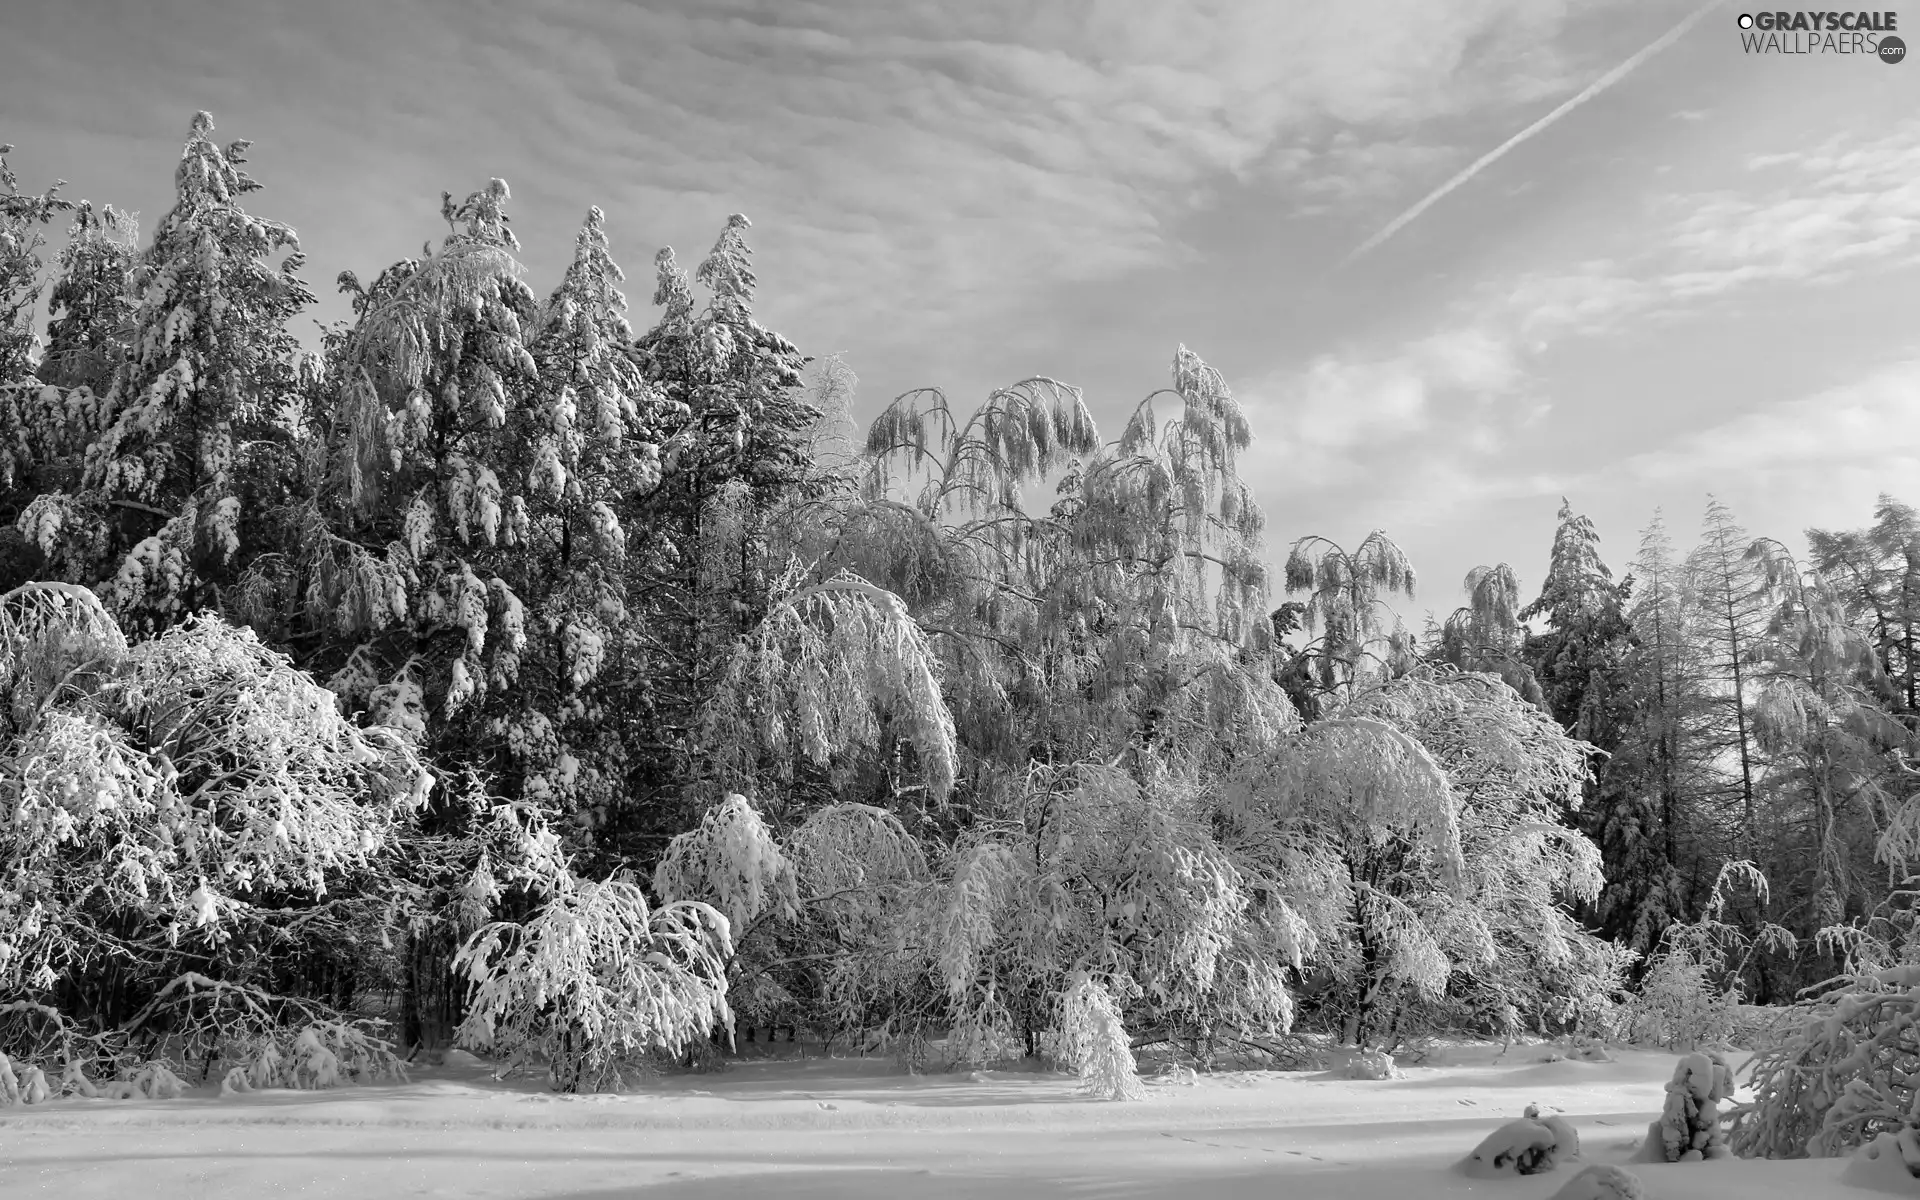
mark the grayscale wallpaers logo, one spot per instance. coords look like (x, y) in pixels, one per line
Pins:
(1868, 34)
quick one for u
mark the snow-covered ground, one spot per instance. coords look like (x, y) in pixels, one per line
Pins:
(820, 1128)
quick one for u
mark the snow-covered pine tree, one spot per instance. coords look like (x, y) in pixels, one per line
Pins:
(1661, 765)
(22, 216)
(1832, 749)
(91, 304)
(1876, 574)
(1582, 659)
(735, 448)
(197, 431)
(466, 556)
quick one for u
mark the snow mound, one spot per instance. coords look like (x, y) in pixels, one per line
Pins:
(1888, 1163)
(1566, 1137)
(1521, 1147)
(1372, 1064)
(1603, 1182)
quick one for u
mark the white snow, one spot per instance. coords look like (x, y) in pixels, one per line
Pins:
(860, 1130)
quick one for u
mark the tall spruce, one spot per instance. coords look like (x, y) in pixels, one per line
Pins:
(1582, 658)
(197, 437)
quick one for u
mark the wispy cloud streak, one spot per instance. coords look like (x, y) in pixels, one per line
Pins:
(1498, 152)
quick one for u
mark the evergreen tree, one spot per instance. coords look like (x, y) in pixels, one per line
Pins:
(1875, 573)
(1655, 778)
(1831, 748)
(92, 303)
(734, 450)
(1583, 660)
(21, 217)
(197, 426)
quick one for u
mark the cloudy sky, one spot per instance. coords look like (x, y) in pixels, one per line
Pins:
(1703, 279)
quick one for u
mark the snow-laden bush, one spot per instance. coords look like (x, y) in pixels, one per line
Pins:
(1889, 1163)
(1095, 1042)
(256, 1040)
(170, 808)
(1372, 1064)
(1690, 995)
(595, 977)
(1525, 1146)
(1846, 1076)
(1688, 1128)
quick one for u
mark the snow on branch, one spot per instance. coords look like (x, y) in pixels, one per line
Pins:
(818, 674)
(595, 977)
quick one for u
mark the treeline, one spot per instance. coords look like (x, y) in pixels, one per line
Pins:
(583, 693)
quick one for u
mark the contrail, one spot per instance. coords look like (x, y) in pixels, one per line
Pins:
(1494, 155)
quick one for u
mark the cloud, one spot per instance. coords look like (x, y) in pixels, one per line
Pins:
(1819, 216)
(1344, 420)
(1870, 426)
(1538, 126)
(1447, 422)
(911, 165)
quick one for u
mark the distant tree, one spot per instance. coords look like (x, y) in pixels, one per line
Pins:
(1831, 747)
(1875, 574)
(1729, 593)
(1656, 779)
(1487, 633)
(22, 215)
(1345, 614)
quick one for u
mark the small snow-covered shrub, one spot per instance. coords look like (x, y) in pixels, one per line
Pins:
(1690, 995)
(1520, 1147)
(1688, 1129)
(1372, 1064)
(1888, 1163)
(1567, 1138)
(214, 1026)
(151, 1081)
(596, 976)
(1845, 1077)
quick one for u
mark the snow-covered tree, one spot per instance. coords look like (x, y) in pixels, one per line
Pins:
(1353, 634)
(1446, 878)
(22, 216)
(182, 806)
(1486, 634)
(196, 433)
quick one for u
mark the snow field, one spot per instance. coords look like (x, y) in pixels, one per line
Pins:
(859, 1130)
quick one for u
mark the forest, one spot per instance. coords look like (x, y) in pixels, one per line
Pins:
(582, 688)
